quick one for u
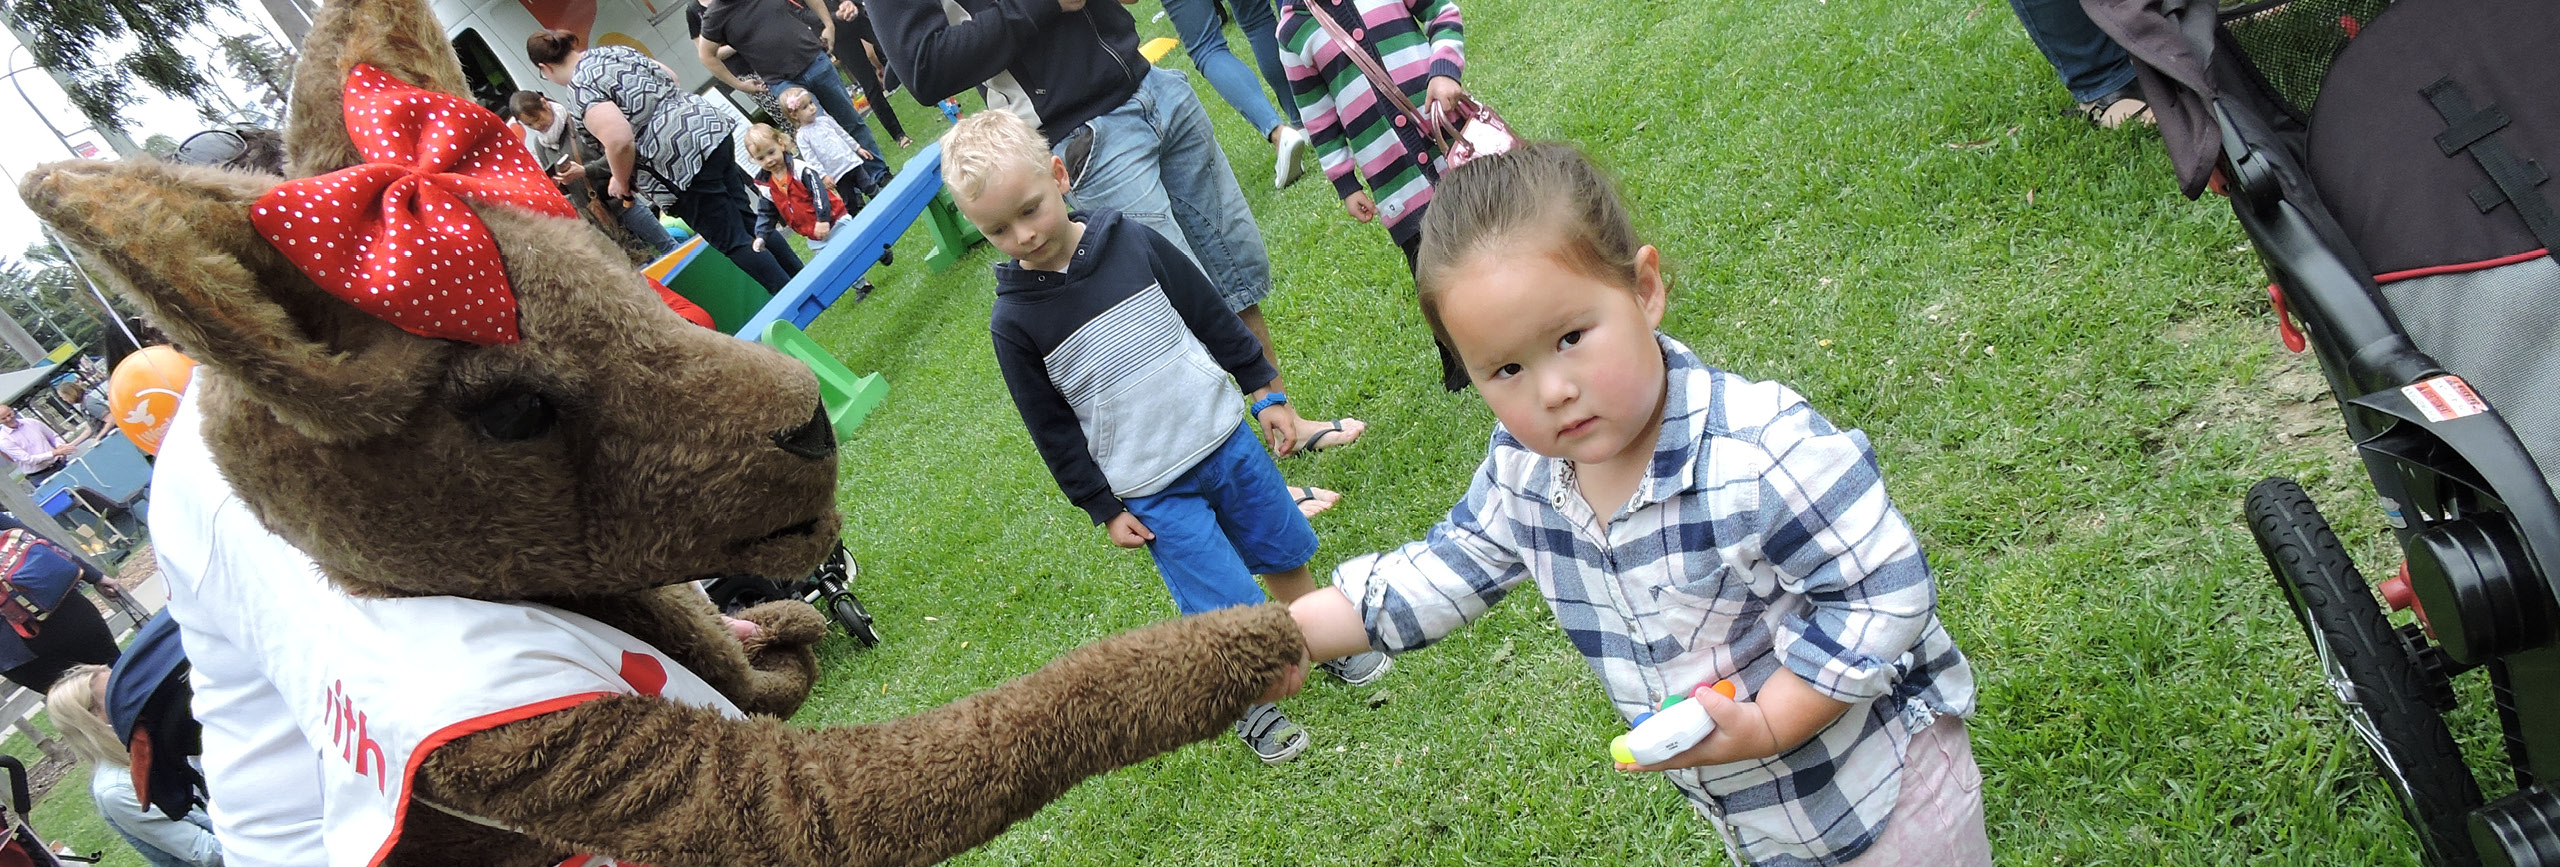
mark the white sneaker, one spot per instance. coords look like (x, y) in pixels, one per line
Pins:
(1291, 145)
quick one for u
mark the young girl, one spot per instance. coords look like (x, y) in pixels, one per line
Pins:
(854, 169)
(1688, 526)
(1422, 44)
(795, 195)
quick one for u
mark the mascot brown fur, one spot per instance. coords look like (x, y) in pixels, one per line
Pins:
(658, 452)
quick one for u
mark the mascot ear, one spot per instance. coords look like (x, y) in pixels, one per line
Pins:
(178, 241)
(400, 37)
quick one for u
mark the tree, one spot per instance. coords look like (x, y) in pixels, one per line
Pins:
(76, 39)
(54, 295)
(160, 145)
(267, 68)
(25, 297)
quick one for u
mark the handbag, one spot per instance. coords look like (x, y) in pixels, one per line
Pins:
(1476, 132)
(34, 576)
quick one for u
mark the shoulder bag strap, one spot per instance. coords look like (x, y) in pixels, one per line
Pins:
(1379, 80)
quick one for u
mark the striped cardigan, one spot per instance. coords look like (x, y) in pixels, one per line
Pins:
(1353, 128)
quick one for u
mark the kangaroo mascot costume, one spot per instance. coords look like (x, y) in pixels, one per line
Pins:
(429, 513)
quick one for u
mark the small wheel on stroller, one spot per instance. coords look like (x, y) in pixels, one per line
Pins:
(835, 582)
(848, 610)
(2368, 670)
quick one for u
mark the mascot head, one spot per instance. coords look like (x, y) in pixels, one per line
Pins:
(422, 369)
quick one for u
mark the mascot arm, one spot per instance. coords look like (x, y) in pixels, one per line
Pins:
(647, 780)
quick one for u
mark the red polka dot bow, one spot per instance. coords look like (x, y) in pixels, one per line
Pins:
(392, 236)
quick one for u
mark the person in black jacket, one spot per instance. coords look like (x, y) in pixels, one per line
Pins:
(1126, 370)
(857, 52)
(1133, 136)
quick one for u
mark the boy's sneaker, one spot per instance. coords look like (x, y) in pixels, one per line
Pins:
(861, 290)
(1359, 669)
(1291, 145)
(1272, 736)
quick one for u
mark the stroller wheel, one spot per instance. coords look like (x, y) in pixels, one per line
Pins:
(2368, 670)
(848, 610)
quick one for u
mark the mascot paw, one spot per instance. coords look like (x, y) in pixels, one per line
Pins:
(784, 624)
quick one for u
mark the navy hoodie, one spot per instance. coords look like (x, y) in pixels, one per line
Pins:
(1126, 367)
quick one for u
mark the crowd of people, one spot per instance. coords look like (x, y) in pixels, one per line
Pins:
(1128, 326)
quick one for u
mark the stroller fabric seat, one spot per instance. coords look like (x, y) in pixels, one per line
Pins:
(2431, 143)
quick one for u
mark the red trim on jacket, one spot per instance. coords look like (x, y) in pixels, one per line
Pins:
(442, 736)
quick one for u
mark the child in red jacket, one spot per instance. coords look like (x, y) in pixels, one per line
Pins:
(796, 194)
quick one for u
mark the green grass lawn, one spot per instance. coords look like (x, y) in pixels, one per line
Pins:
(2068, 370)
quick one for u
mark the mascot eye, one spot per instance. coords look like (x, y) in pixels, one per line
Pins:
(514, 416)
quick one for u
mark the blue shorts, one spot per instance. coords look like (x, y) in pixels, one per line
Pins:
(1220, 523)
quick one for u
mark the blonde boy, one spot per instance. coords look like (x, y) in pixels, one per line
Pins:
(1127, 369)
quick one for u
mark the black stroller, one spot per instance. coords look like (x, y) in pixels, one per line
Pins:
(19, 845)
(830, 589)
(2389, 162)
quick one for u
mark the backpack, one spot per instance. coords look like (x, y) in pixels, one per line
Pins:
(34, 576)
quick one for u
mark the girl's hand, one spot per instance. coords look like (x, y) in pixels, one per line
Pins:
(1444, 96)
(1288, 685)
(1127, 532)
(818, 232)
(863, 153)
(1360, 206)
(1743, 732)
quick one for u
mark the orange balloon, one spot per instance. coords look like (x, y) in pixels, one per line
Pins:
(142, 393)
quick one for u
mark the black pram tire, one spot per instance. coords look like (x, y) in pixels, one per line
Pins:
(2368, 670)
(848, 610)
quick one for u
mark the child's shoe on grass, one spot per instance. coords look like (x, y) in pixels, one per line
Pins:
(1359, 669)
(1272, 736)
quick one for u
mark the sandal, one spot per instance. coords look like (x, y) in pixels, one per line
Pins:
(2121, 107)
(1305, 494)
(1315, 441)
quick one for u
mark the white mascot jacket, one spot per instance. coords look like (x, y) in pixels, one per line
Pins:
(318, 706)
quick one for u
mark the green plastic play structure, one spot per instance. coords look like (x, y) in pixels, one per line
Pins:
(952, 235)
(848, 397)
(732, 298)
(712, 282)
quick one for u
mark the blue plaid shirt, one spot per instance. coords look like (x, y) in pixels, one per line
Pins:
(1760, 537)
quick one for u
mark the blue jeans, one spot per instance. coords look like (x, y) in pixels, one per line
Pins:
(715, 204)
(822, 82)
(642, 223)
(778, 246)
(1224, 520)
(2092, 65)
(1205, 39)
(1156, 161)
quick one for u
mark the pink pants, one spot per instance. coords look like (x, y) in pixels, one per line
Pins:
(1938, 821)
